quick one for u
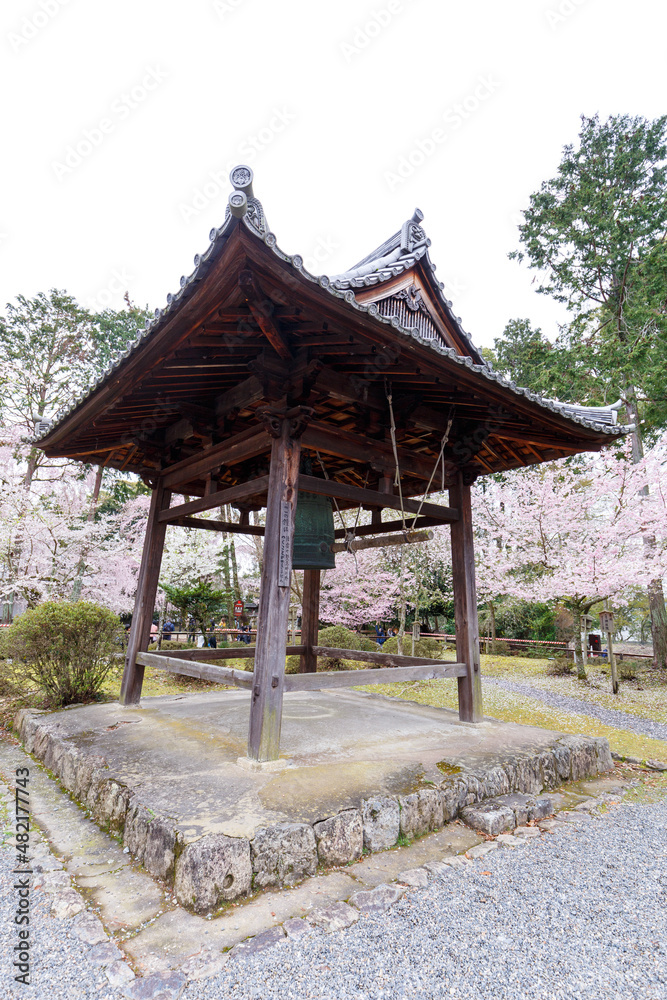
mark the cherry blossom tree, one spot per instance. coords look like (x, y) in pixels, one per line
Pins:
(572, 531)
(358, 591)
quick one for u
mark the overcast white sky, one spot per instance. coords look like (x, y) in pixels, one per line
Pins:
(325, 102)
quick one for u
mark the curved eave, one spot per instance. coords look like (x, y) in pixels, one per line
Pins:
(204, 263)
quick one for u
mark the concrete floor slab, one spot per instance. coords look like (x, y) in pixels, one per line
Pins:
(180, 754)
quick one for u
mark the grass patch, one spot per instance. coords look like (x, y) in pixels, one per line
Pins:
(510, 707)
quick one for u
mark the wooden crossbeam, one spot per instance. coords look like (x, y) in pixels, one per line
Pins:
(382, 659)
(424, 670)
(243, 652)
(242, 491)
(344, 444)
(204, 671)
(231, 526)
(329, 488)
(389, 675)
(247, 444)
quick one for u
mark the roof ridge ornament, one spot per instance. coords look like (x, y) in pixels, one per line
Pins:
(242, 202)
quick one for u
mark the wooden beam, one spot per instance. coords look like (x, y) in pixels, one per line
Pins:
(242, 653)
(382, 659)
(247, 444)
(267, 693)
(310, 620)
(242, 395)
(262, 308)
(398, 538)
(204, 671)
(389, 675)
(465, 605)
(230, 526)
(239, 492)
(330, 488)
(144, 603)
(379, 525)
(336, 441)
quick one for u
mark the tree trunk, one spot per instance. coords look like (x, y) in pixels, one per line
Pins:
(258, 541)
(401, 620)
(78, 582)
(656, 595)
(578, 651)
(225, 571)
(492, 618)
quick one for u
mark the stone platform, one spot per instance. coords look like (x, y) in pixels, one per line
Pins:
(358, 772)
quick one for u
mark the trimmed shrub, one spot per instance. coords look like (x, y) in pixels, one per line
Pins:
(629, 670)
(65, 649)
(339, 637)
(171, 644)
(560, 666)
(430, 648)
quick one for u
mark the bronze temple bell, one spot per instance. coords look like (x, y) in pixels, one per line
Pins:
(313, 533)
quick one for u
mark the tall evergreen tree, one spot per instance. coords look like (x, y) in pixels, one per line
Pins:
(596, 232)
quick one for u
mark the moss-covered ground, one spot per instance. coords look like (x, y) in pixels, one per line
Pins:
(645, 696)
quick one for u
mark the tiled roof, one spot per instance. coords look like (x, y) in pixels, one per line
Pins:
(393, 257)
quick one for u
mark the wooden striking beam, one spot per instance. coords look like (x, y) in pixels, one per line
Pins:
(239, 492)
(399, 538)
(230, 526)
(329, 488)
(389, 675)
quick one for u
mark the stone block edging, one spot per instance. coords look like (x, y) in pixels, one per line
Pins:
(216, 868)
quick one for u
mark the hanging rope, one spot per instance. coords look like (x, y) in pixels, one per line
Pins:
(392, 430)
(439, 459)
(349, 534)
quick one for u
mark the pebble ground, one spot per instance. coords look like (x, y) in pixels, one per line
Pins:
(577, 913)
(580, 913)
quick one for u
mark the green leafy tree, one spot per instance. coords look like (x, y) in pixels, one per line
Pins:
(567, 369)
(596, 233)
(200, 601)
(114, 329)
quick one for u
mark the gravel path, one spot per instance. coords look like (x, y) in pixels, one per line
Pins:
(610, 716)
(580, 913)
(577, 913)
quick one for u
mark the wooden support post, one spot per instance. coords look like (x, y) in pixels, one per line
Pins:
(310, 615)
(465, 604)
(267, 693)
(147, 581)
